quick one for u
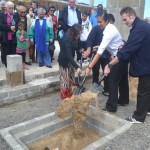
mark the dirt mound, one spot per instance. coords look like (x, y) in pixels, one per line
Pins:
(76, 107)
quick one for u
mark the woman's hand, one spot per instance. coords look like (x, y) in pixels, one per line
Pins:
(79, 71)
(87, 71)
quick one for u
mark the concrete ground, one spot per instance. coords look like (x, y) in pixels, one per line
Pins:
(136, 138)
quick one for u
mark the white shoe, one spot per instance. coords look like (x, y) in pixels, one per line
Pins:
(132, 120)
(148, 113)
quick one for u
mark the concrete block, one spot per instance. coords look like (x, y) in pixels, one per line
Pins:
(24, 90)
(8, 101)
(31, 124)
(50, 127)
(34, 134)
(14, 63)
(14, 93)
(3, 95)
(34, 88)
(59, 123)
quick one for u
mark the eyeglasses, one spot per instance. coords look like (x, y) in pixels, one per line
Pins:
(52, 10)
(23, 12)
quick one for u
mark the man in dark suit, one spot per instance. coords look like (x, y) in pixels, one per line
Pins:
(69, 16)
(137, 50)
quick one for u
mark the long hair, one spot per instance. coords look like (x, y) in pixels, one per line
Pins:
(73, 32)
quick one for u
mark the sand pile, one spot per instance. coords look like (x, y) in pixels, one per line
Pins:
(76, 107)
(76, 136)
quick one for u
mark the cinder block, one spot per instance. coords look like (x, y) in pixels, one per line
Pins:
(14, 93)
(3, 95)
(35, 88)
(50, 127)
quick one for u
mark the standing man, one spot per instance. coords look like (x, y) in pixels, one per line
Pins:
(99, 11)
(69, 16)
(137, 49)
(42, 32)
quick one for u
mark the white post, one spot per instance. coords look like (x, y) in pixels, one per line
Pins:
(14, 71)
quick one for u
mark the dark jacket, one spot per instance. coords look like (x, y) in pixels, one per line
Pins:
(67, 53)
(5, 28)
(137, 49)
(63, 18)
(95, 38)
(17, 20)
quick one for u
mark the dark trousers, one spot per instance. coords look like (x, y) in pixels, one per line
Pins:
(103, 62)
(23, 56)
(82, 45)
(8, 48)
(118, 78)
(143, 99)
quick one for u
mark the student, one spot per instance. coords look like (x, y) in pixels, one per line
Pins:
(22, 40)
(67, 64)
(137, 49)
(118, 77)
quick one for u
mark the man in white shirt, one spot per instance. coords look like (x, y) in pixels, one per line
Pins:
(119, 75)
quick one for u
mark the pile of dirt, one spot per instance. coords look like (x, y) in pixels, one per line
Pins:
(64, 140)
(76, 107)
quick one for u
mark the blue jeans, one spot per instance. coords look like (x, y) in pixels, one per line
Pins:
(44, 59)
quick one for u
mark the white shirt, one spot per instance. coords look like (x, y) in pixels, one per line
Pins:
(41, 22)
(86, 28)
(72, 16)
(111, 40)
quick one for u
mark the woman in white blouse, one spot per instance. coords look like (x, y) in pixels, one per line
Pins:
(111, 41)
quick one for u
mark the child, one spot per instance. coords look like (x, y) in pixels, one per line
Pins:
(22, 40)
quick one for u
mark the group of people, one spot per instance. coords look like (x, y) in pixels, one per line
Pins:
(105, 37)
(80, 36)
(24, 30)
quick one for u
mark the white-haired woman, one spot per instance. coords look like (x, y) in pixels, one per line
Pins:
(7, 26)
(2, 6)
(42, 33)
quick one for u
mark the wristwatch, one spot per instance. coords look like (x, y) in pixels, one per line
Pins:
(110, 65)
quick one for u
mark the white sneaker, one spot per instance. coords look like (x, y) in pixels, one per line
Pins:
(148, 113)
(132, 120)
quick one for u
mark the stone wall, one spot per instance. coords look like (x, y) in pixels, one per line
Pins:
(114, 7)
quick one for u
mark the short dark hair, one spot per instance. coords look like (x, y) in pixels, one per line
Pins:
(35, 2)
(19, 3)
(85, 13)
(128, 10)
(111, 17)
(21, 23)
(99, 5)
(51, 7)
(105, 16)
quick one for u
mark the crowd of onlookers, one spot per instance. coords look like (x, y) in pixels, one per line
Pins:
(31, 32)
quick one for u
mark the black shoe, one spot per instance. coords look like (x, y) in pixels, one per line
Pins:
(41, 65)
(49, 66)
(105, 109)
(28, 63)
(123, 104)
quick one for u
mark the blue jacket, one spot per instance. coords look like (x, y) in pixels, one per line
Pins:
(137, 49)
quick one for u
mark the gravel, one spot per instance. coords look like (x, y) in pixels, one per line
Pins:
(136, 138)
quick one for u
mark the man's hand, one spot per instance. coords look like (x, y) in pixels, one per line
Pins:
(87, 71)
(13, 28)
(106, 70)
(95, 48)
